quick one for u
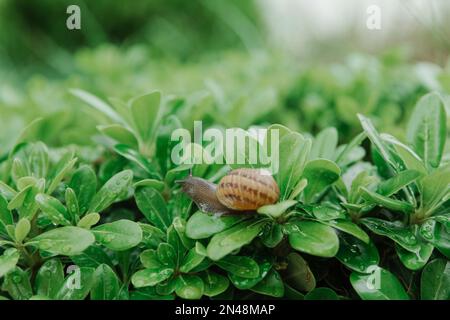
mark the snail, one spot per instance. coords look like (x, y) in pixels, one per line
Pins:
(239, 191)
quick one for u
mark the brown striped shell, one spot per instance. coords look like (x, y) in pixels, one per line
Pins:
(247, 189)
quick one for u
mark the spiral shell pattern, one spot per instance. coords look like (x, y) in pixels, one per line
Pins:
(247, 189)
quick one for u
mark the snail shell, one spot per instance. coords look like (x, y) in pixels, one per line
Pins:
(247, 189)
(239, 190)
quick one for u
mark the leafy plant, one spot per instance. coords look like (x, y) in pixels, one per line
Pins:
(351, 221)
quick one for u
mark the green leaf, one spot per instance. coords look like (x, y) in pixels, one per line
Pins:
(392, 204)
(23, 227)
(72, 204)
(326, 213)
(151, 203)
(92, 257)
(350, 228)
(152, 183)
(435, 189)
(378, 143)
(6, 191)
(271, 285)
(435, 281)
(201, 225)
(415, 260)
(234, 238)
(61, 169)
(89, 220)
(119, 133)
(324, 145)
(65, 240)
(357, 255)
(106, 285)
(150, 277)
(167, 255)
(393, 185)
(241, 266)
(294, 150)
(77, 285)
(427, 129)
(247, 283)
(113, 189)
(49, 278)
(394, 231)
(191, 260)
(298, 274)
(134, 156)
(149, 259)
(272, 235)
(322, 294)
(313, 238)
(190, 287)
(276, 210)
(214, 283)
(53, 209)
(84, 183)
(379, 285)
(151, 236)
(411, 160)
(17, 284)
(97, 104)
(321, 174)
(39, 160)
(8, 261)
(144, 110)
(118, 235)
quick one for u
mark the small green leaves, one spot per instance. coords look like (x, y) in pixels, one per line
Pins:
(313, 238)
(427, 129)
(119, 235)
(17, 284)
(112, 190)
(244, 283)
(66, 240)
(379, 285)
(53, 209)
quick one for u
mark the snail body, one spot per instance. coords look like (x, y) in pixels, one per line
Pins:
(238, 191)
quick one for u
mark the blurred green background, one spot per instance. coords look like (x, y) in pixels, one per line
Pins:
(220, 58)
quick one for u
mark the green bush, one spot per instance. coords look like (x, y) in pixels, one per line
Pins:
(372, 211)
